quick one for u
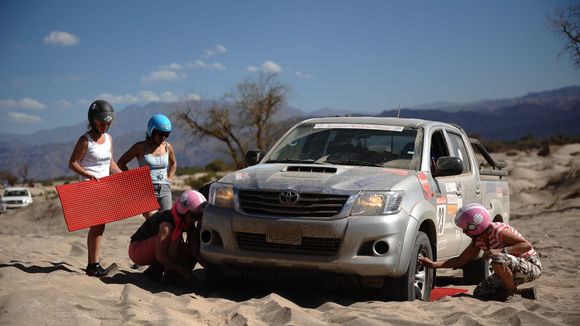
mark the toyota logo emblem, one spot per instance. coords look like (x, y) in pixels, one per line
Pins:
(289, 197)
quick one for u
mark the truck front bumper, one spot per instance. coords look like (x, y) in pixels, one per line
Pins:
(361, 245)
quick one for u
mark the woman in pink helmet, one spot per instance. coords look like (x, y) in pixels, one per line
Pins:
(513, 259)
(158, 239)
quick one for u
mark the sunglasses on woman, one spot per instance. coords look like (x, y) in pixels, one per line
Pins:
(164, 134)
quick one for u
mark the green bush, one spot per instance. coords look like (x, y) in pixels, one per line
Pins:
(528, 142)
(196, 183)
(218, 166)
(188, 170)
(50, 194)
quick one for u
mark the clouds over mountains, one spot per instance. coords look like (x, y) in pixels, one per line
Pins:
(541, 114)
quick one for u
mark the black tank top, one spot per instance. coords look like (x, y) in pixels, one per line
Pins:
(150, 227)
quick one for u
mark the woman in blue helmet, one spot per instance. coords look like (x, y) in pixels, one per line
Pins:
(156, 153)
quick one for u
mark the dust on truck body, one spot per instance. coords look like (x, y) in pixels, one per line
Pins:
(357, 196)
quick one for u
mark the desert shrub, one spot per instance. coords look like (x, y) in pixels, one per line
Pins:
(527, 143)
(188, 170)
(50, 194)
(196, 183)
(563, 139)
(8, 178)
(545, 151)
(218, 166)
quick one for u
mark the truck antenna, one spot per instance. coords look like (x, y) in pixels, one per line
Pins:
(399, 110)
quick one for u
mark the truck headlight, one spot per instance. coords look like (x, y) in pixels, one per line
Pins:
(222, 195)
(377, 203)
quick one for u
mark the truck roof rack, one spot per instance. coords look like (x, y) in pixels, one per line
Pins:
(497, 166)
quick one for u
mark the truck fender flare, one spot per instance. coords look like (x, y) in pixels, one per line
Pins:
(422, 216)
(497, 209)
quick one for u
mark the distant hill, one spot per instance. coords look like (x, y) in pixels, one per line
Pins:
(541, 114)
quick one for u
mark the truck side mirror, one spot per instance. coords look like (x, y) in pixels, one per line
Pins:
(447, 165)
(253, 157)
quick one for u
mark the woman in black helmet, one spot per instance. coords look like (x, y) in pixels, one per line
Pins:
(91, 159)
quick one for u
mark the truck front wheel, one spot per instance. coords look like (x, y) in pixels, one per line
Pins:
(213, 278)
(417, 281)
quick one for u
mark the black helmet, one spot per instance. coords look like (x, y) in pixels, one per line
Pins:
(100, 110)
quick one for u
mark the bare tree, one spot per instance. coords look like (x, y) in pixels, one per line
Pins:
(24, 169)
(566, 23)
(243, 118)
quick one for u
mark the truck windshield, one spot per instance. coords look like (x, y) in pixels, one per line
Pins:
(348, 144)
(15, 193)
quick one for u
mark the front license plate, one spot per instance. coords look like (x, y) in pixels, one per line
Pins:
(284, 235)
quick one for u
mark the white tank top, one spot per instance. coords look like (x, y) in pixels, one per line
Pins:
(97, 159)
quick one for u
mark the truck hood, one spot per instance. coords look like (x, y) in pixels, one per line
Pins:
(316, 178)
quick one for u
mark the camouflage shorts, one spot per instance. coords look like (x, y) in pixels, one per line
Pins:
(523, 269)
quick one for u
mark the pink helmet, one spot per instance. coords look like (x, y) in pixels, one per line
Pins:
(473, 219)
(190, 200)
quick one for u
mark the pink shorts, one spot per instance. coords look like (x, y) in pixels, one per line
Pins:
(143, 252)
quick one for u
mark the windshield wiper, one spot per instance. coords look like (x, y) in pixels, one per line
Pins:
(353, 162)
(287, 160)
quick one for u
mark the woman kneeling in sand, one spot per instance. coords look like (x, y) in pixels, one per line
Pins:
(159, 239)
(513, 259)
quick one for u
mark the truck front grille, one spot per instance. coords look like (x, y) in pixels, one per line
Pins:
(309, 246)
(308, 205)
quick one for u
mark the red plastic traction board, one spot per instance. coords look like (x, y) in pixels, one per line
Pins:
(438, 293)
(109, 199)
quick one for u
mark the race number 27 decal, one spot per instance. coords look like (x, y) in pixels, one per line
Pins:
(441, 212)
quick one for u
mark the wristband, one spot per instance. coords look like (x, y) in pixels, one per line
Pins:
(504, 250)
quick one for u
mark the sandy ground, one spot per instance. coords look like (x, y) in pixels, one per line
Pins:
(42, 280)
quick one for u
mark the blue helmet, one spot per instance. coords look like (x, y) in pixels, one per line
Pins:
(159, 122)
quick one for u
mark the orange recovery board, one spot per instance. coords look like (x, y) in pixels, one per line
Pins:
(109, 199)
(438, 293)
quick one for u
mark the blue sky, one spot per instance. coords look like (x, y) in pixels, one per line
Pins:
(363, 56)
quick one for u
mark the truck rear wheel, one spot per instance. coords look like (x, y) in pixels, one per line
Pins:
(417, 281)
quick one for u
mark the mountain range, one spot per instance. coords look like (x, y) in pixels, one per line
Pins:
(542, 114)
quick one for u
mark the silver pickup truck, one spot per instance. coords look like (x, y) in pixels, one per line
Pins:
(362, 197)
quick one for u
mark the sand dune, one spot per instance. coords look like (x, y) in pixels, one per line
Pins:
(42, 279)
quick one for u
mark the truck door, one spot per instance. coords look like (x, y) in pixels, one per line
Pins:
(446, 199)
(467, 183)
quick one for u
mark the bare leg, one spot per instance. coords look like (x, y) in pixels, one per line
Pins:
(174, 251)
(147, 215)
(505, 275)
(94, 242)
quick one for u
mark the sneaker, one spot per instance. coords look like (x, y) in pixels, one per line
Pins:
(500, 294)
(98, 271)
(155, 271)
(528, 293)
